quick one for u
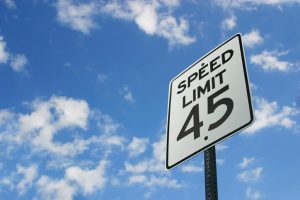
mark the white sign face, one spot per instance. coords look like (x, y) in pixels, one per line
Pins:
(208, 102)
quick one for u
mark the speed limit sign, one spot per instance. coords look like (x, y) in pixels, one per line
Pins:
(208, 102)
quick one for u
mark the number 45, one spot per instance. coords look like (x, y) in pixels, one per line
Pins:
(211, 107)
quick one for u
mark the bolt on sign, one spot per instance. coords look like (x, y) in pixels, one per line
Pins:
(208, 102)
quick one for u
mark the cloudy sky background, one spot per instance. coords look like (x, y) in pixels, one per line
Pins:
(84, 93)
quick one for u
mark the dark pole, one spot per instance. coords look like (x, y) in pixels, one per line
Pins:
(211, 186)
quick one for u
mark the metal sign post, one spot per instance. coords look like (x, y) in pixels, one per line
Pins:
(211, 185)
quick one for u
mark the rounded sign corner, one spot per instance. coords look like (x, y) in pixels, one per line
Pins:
(238, 35)
(168, 167)
(252, 120)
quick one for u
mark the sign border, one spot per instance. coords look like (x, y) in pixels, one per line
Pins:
(228, 134)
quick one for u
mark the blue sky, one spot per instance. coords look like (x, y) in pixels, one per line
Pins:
(84, 94)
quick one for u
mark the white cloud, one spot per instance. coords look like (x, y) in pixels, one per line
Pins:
(151, 172)
(220, 161)
(253, 194)
(268, 114)
(119, 10)
(149, 18)
(156, 163)
(88, 180)
(10, 4)
(48, 118)
(229, 23)
(175, 31)
(76, 180)
(102, 77)
(127, 94)
(246, 162)
(4, 55)
(59, 163)
(5, 115)
(8, 182)
(154, 17)
(107, 125)
(111, 140)
(140, 167)
(137, 146)
(78, 16)
(59, 115)
(17, 62)
(162, 182)
(221, 147)
(158, 160)
(50, 189)
(253, 86)
(250, 175)
(191, 169)
(170, 3)
(8, 127)
(67, 64)
(252, 39)
(146, 18)
(136, 179)
(154, 181)
(269, 61)
(69, 112)
(247, 4)
(40, 117)
(29, 175)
